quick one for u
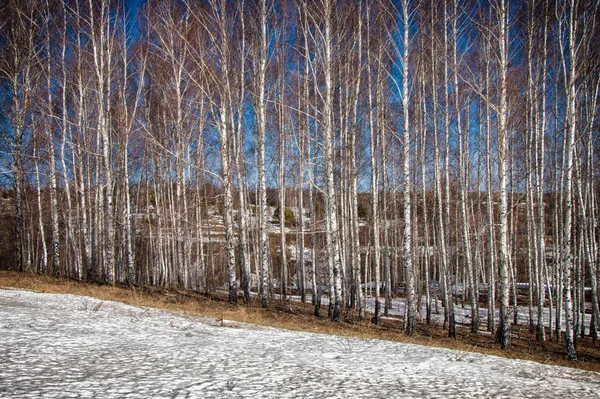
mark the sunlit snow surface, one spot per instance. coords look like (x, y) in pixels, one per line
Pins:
(70, 346)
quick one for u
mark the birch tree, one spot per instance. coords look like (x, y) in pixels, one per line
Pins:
(501, 33)
(331, 222)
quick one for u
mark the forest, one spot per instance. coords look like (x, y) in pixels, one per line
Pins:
(279, 150)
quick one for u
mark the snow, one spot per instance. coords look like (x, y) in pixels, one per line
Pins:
(462, 313)
(70, 346)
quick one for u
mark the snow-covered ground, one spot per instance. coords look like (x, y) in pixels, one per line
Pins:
(462, 313)
(71, 346)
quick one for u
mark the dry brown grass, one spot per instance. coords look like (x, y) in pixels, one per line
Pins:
(299, 317)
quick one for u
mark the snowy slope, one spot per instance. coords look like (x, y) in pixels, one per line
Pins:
(70, 346)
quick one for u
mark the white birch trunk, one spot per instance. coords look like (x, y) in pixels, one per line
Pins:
(241, 174)
(491, 316)
(282, 235)
(539, 166)
(374, 147)
(570, 122)
(411, 299)
(502, 36)
(448, 275)
(48, 127)
(44, 268)
(263, 239)
(424, 199)
(353, 190)
(331, 229)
